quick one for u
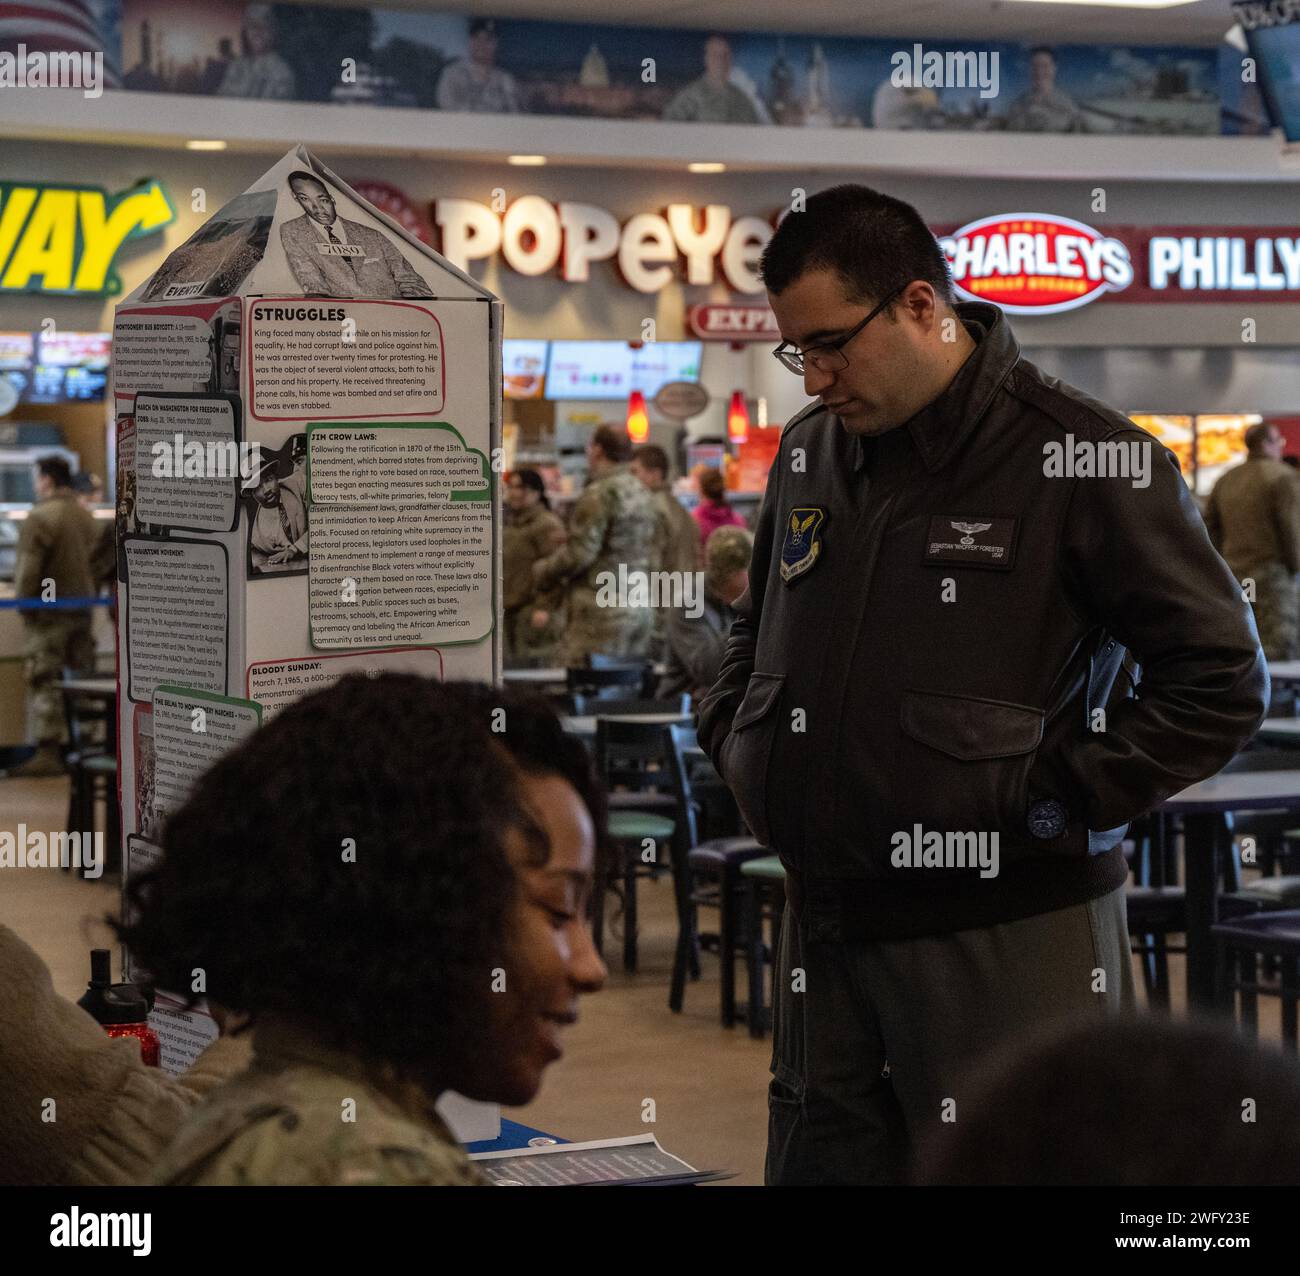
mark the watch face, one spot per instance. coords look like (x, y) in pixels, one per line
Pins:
(1047, 818)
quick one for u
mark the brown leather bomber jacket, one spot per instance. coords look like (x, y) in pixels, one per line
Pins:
(935, 642)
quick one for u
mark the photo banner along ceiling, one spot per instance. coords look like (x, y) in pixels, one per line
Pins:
(397, 57)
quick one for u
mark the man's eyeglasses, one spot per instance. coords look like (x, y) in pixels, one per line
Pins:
(829, 357)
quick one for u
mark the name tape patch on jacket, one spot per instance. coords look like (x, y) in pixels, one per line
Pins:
(802, 543)
(971, 542)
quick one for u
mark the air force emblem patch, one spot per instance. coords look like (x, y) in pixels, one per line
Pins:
(802, 543)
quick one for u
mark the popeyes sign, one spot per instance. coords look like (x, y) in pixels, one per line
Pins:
(536, 237)
(1027, 263)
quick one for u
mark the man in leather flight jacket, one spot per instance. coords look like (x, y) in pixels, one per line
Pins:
(923, 706)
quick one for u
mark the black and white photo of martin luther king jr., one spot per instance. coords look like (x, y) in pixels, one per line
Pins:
(333, 257)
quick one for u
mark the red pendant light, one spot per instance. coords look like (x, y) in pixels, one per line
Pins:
(738, 418)
(638, 423)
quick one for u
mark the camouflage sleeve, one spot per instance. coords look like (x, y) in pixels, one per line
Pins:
(591, 518)
(403, 1167)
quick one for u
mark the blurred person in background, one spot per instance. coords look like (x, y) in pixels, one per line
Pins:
(612, 534)
(56, 547)
(113, 1116)
(1253, 517)
(696, 645)
(369, 980)
(714, 510)
(533, 618)
(1135, 1102)
(103, 562)
(679, 547)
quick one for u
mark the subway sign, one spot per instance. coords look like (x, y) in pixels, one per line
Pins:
(1041, 263)
(65, 239)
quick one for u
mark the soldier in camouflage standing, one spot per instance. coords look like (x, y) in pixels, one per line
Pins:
(55, 548)
(614, 525)
(1253, 516)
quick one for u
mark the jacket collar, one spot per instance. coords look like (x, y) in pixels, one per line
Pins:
(938, 428)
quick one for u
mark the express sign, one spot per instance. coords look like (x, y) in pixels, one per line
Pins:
(64, 239)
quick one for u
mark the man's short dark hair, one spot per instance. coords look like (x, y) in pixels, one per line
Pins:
(1043, 48)
(613, 442)
(56, 469)
(301, 175)
(1124, 1102)
(876, 243)
(1256, 436)
(652, 457)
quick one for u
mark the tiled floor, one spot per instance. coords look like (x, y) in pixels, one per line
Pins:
(708, 1084)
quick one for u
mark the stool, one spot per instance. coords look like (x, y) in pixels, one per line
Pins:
(716, 882)
(628, 830)
(1238, 945)
(765, 898)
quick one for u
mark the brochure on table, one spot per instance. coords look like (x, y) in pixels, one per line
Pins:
(308, 402)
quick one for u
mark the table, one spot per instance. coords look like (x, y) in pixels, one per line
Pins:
(558, 677)
(1285, 731)
(1203, 806)
(585, 724)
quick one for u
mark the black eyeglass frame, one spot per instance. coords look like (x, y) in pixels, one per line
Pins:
(794, 360)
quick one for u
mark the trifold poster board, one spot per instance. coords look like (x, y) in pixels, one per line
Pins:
(308, 402)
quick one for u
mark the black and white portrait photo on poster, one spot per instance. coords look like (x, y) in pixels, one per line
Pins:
(275, 499)
(331, 256)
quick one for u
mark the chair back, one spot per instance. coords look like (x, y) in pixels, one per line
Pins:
(679, 736)
(83, 710)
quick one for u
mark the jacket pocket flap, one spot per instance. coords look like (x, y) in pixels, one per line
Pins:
(761, 696)
(970, 729)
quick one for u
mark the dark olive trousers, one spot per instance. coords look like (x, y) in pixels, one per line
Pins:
(875, 1041)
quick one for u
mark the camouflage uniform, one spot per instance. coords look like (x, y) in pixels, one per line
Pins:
(281, 1123)
(1253, 517)
(614, 523)
(529, 535)
(57, 542)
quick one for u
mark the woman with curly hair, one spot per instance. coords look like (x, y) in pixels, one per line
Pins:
(388, 882)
